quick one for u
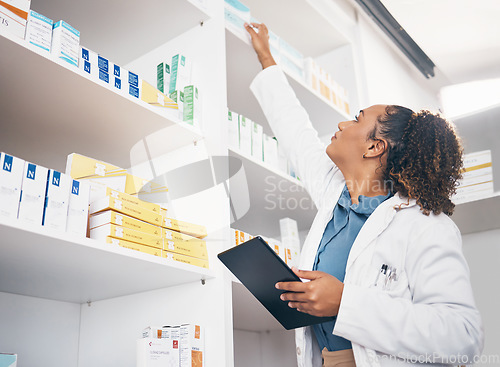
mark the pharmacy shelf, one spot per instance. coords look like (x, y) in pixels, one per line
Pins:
(248, 312)
(44, 263)
(54, 109)
(125, 30)
(479, 215)
(243, 66)
(273, 195)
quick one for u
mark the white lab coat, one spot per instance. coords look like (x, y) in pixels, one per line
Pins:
(426, 315)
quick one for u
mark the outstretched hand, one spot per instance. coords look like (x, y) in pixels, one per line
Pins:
(260, 43)
(319, 297)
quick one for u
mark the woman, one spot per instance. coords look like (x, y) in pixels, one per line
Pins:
(382, 255)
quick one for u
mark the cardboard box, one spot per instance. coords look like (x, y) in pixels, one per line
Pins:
(88, 62)
(55, 215)
(163, 77)
(245, 135)
(192, 343)
(180, 73)
(78, 208)
(11, 179)
(194, 248)
(14, 15)
(39, 30)
(127, 234)
(112, 217)
(8, 360)
(233, 138)
(185, 259)
(134, 246)
(134, 200)
(117, 76)
(127, 208)
(257, 141)
(192, 109)
(290, 234)
(33, 194)
(65, 42)
(152, 352)
(191, 229)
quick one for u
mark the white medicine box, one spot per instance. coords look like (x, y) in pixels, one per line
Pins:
(33, 194)
(78, 208)
(257, 141)
(11, 178)
(39, 30)
(57, 200)
(14, 15)
(66, 42)
(245, 133)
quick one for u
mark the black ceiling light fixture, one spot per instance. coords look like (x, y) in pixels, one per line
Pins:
(378, 12)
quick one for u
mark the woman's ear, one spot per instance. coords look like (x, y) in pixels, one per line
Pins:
(378, 148)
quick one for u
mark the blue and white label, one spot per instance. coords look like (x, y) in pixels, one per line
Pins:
(75, 188)
(133, 91)
(87, 67)
(7, 163)
(85, 54)
(103, 64)
(118, 83)
(56, 178)
(103, 76)
(31, 174)
(116, 70)
(133, 79)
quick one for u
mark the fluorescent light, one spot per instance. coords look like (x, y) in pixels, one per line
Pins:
(460, 100)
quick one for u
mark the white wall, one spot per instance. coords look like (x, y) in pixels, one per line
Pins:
(482, 251)
(389, 79)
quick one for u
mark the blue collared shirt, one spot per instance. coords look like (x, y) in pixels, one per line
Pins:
(333, 251)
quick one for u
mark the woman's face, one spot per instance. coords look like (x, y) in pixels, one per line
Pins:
(351, 141)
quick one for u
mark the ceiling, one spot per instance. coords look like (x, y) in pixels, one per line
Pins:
(462, 37)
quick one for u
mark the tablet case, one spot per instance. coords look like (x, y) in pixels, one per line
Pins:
(259, 268)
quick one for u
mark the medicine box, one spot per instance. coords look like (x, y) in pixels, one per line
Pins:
(288, 51)
(33, 194)
(78, 208)
(112, 217)
(192, 344)
(98, 174)
(282, 159)
(153, 96)
(191, 229)
(127, 208)
(236, 14)
(88, 62)
(127, 234)
(232, 120)
(192, 109)
(133, 199)
(152, 352)
(133, 246)
(245, 135)
(11, 178)
(57, 200)
(39, 30)
(194, 248)
(163, 77)
(238, 237)
(180, 72)
(178, 97)
(14, 15)
(289, 234)
(271, 151)
(152, 332)
(8, 360)
(257, 141)
(66, 42)
(185, 259)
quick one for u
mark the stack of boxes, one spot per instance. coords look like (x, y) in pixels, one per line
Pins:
(290, 255)
(247, 137)
(40, 196)
(119, 217)
(175, 78)
(14, 16)
(173, 346)
(477, 181)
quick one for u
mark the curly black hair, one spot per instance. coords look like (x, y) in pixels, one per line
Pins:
(424, 157)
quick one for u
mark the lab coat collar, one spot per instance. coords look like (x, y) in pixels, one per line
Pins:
(377, 223)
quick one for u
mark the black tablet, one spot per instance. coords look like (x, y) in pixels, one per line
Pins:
(259, 268)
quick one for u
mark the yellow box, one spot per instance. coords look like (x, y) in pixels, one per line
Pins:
(153, 96)
(195, 248)
(112, 230)
(177, 236)
(195, 230)
(133, 200)
(185, 259)
(134, 246)
(112, 217)
(127, 208)
(138, 186)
